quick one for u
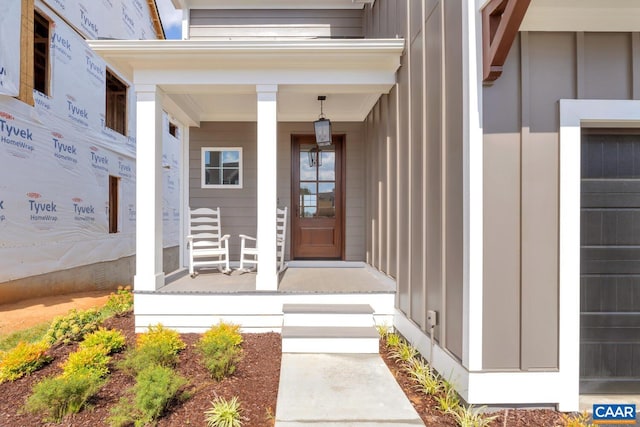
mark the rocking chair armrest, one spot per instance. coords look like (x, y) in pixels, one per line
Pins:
(244, 236)
(225, 237)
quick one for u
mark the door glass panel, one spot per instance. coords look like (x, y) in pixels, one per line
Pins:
(308, 168)
(327, 167)
(308, 200)
(327, 199)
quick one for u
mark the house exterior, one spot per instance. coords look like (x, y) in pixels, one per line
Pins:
(68, 147)
(483, 157)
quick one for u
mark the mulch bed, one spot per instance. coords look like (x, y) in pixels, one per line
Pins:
(255, 383)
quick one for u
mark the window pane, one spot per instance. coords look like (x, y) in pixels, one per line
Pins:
(231, 176)
(213, 176)
(327, 169)
(212, 159)
(230, 158)
(307, 166)
(308, 199)
(327, 199)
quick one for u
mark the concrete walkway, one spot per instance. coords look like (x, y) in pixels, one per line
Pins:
(341, 390)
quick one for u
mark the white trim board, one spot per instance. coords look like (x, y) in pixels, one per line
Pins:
(575, 114)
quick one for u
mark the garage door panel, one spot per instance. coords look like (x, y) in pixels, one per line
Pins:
(610, 264)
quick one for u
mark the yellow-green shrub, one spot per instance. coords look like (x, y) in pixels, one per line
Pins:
(111, 339)
(88, 359)
(23, 359)
(119, 303)
(73, 326)
(220, 348)
(160, 336)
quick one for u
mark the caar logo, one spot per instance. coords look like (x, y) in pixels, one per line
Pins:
(614, 414)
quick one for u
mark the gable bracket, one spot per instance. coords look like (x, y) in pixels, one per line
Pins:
(501, 21)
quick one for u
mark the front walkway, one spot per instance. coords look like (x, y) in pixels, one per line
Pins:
(341, 390)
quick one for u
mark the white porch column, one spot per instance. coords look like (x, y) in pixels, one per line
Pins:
(149, 273)
(267, 277)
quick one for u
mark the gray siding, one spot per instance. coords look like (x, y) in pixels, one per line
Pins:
(274, 24)
(414, 175)
(239, 206)
(521, 125)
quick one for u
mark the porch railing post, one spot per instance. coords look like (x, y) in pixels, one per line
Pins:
(267, 277)
(149, 272)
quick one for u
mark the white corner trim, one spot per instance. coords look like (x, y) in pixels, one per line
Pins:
(473, 190)
(575, 114)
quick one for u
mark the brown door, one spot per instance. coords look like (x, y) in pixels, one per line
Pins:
(318, 208)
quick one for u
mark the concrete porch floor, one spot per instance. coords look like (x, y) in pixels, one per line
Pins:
(299, 277)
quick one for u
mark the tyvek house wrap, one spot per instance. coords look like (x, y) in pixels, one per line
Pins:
(55, 163)
(10, 47)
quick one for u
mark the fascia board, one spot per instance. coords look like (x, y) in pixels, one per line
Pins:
(270, 4)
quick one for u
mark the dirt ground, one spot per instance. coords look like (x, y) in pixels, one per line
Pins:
(27, 313)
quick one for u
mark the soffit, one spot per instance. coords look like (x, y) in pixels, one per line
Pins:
(216, 81)
(582, 15)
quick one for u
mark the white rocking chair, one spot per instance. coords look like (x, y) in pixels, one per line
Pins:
(249, 255)
(206, 245)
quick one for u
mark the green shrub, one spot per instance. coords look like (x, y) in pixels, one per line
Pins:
(393, 340)
(138, 359)
(23, 359)
(111, 339)
(224, 413)
(155, 388)
(88, 360)
(53, 398)
(427, 380)
(73, 326)
(119, 303)
(220, 349)
(160, 336)
(404, 352)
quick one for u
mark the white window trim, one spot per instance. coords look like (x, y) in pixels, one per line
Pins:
(203, 184)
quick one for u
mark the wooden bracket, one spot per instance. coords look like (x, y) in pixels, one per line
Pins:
(501, 21)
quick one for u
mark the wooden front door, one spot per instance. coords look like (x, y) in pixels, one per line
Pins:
(318, 208)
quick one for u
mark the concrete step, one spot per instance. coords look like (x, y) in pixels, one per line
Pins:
(329, 328)
(327, 315)
(330, 339)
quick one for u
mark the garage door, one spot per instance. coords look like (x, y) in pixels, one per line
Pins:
(610, 264)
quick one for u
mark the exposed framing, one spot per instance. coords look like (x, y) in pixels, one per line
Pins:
(501, 21)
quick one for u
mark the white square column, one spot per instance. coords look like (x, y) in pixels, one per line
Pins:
(149, 271)
(267, 277)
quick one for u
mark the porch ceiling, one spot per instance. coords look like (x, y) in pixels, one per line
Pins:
(270, 4)
(216, 81)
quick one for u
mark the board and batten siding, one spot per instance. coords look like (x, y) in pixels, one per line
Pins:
(521, 190)
(274, 24)
(238, 207)
(414, 167)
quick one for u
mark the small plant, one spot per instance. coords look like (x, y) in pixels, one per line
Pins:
(53, 398)
(577, 420)
(224, 413)
(383, 330)
(220, 348)
(393, 340)
(427, 381)
(157, 346)
(155, 388)
(119, 303)
(22, 360)
(73, 326)
(404, 352)
(92, 360)
(472, 417)
(112, 340)
(448, 400)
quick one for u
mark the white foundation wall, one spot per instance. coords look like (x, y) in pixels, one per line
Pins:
(56, 157)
